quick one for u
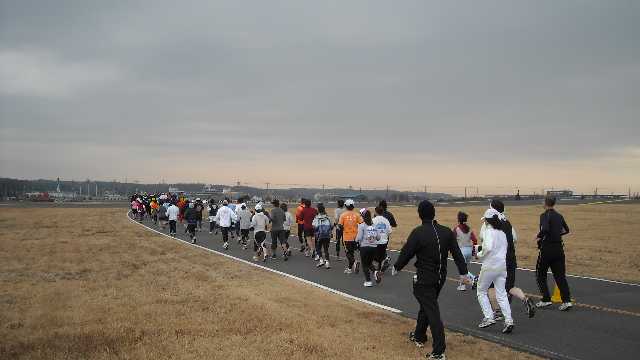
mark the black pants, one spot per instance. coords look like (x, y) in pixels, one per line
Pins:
(323, 245)
(552, 256)
(367, 255)
(381, 254)
(212, 226)
(429, 316)
(258, 239)
(225, 234)
(338, 241)
(275, 236)
(301, 233)
(172, 226)
(191, 229)
(350, 248)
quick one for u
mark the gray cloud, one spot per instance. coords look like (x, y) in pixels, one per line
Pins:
(523, 81)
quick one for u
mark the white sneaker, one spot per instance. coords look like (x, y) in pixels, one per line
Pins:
(565, 306)
(255, 258)
(541, 304)
(225, 245)
(320, 263)
(461, 287)
(326, 264)
(368, 284)
(486, 323)
(348, 271)
(316, 258)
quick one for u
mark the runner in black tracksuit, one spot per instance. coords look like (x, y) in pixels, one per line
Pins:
(191, 216)
(552, 228)
(430, 243)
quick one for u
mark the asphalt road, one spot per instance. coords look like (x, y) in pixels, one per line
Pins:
(604, 324)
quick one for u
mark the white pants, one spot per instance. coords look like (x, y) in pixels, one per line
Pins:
(498, 278)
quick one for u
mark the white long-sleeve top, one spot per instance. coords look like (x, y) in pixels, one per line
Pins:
(384, 228)
(494, 249)
(484, 227)
(259, 222)
(172, 212)
(225, 216)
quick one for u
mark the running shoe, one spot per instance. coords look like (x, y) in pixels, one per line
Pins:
(348, 271)
(461, 287)
(225, 245)
(412, 338)
(565, 306)
(486, 323)
(433, 356)
(498, 316)
(356, 267)
(385, 263)
(210, 233)
(530, 308)
(320, 263)
(542, 304)
(285, 257)
(193, 241)
(508, 328)
(377, 275)
(316, 258)
(255, 258)
(475, 282)
(273, 256)
(326, 264)
(368, 284)
(302, 248)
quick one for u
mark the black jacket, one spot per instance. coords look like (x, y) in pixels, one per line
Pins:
(191, 215)
(511, 248)
(431, 254)
(389, 216)
(552, 228)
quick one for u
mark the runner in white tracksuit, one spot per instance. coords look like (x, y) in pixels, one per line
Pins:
(224, 218)
(493, 253)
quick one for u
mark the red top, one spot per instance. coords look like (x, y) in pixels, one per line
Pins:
(308, 214)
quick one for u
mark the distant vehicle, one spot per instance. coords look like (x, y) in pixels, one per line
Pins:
(39, 196)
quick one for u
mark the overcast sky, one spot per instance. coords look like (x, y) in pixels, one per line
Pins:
(510, 93)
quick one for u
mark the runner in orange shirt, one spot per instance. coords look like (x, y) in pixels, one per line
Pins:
(349, 221)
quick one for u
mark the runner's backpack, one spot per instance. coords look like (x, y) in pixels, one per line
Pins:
(323, 230)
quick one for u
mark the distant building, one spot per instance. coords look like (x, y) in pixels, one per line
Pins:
(560, 194)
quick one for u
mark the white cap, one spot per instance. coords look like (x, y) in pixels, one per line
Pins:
(362, 211)
(197, 199)
(259, 206)
(349, 202)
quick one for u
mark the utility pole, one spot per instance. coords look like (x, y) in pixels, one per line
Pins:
(386, 197)
(96, 189)
(465, 193)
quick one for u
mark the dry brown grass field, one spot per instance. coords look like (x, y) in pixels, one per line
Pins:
(88, 284)
(604, 239)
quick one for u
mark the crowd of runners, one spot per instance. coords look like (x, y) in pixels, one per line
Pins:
(367, 232)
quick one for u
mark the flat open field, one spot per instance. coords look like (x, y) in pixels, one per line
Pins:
(88, 284)
(604, 240)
